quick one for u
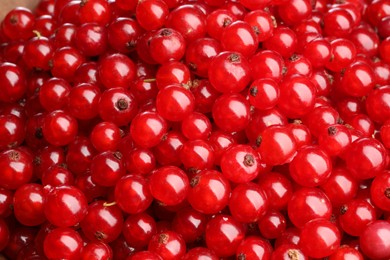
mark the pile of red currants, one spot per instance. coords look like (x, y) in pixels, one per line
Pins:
(195, 130)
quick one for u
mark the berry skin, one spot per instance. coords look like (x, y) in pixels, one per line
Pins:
(248, 203)
(229, 72)
(380, 190)
(365, 158)
(28, 204)
(277, 145)
(116, 70)
(59, 128)
(148, 129)
(209, 192)
(223, 235)
(174, 103)
(17, 168)
(65, 206)
(373, 240)
(103, 222)
(319, 238)
(65, 243)
(166, 44)
(13, 82)
(132, 194)
(231, 112)
(169, 245)
(239, 164)
(311, 166)
(307, 204)
(169, 185)
(297, 96)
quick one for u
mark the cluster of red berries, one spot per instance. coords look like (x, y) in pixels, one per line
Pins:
(195, 130)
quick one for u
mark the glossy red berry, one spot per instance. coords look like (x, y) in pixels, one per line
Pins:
(17, 168)
(278, 189)
(297, 96)
(248, 203)
(267, 64)
(231, 112)
(209, 192)
(277, 145)
(169, 185)
(65, 206)
(223, 235)
(147, 129)
(64, 243)
(239, 37)
(139, 229)
(28, 204)
(151, 15)
(132, 194)
(240, 164)
(254, 247)
(307, 204)
(229, 72)
(190, 224)
(283, 41)
(365, 158)
(355, 216)
(189, 21)
(311, 166)
(54, 93)
(59, 128)
(94, 11)
(18, 24)
(91, 39)
(118, 106)
(166, 44)
(340, 187)
(378, 103)
(97, 250)
(169, 245)
(373, 240)
(13, 82)
(103, 222)
(107, 168)
(380, 190)
(319, 238)
(174, 103)
(116, 70)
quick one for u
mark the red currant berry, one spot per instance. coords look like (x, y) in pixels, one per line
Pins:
(229, 72)
(28, 204)
(13, 84)
(168, 245)
(277, 145)
(116, 70)
(167, 44)
(63, 243)
(103, 222)
(231, 112)
(319, 238)
(209, 192)
(169, 185)
(148, 129)
(132, 194)
(17, 168)
(355, 216)
(307, 204)
(248, 203)
(59, 128)
(65, 206)
(240, 164)
(223, 235)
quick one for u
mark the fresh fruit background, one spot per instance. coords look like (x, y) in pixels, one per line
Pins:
(184, 129)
